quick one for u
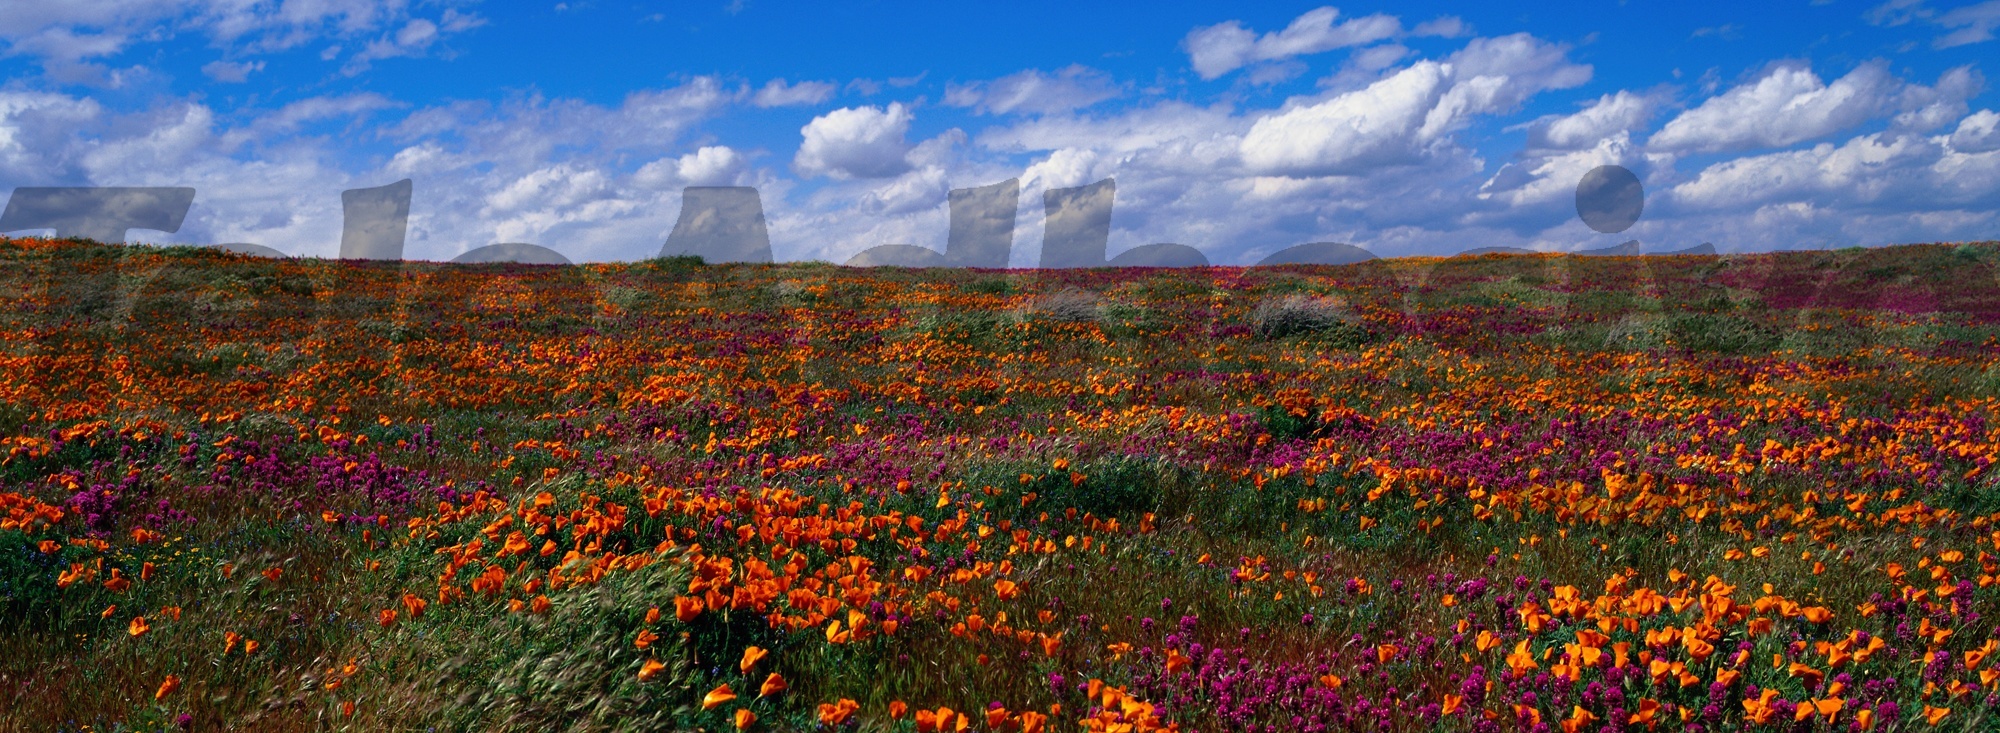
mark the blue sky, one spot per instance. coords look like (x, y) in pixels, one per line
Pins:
(1413, 128)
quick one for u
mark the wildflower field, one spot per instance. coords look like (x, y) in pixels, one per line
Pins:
(1501, 493)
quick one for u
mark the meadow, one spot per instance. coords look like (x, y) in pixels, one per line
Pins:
(1499, 493)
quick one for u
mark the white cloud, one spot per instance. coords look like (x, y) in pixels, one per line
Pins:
(64, 32)
(1449, 26)
(1033, 92)
(712, 165)
(1219, 49)
(1543, 184)
(556, 186)
(1873, 173)
(856, 142)
(1789, 104)
(414, 39)
(1978, 133)
(1062, 169)
(426, 158)
(1927, 108)
(1378, 126)
(776, 93)
(1609, 115)
(229, 72)
(1519, 65)
(1897, 12)
(36, 130)
(1407, 115)
(1974, 24)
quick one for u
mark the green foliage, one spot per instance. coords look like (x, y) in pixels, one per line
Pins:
(1723, 334)
(1285, 426)
(676, 262)
(992, 286)
(28, 592)
(1324, 318)
(1122, 487)
(573, 668)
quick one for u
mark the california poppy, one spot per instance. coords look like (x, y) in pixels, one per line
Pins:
(751, 656)
(686, 608)
(721, 694)
(167, 687)
(772, 686)
(1933, 715)
(138, 626)
(838, 713)
(650, 669)
(745, 718)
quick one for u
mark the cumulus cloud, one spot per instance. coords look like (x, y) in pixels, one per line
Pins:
(1033, 92)
(556, 186)
(1877, 173)
(1610, 115)
(1409, 114)
(856, 142)
(1788, 104)
(1064, 168)
(1978, 133)
(776, 93)
(712, 165)
(1224, 47)
(1381, 125)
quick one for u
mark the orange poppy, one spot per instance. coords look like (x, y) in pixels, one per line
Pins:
(772, 686)
(838, 713)
(718, 696)
(1933, 715)
(751, 656)
(138, 626)
(167, 687)
(650, 669)
(745, 718)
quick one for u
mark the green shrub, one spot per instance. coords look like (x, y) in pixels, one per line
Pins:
(1323, 317)
(1724, 334)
